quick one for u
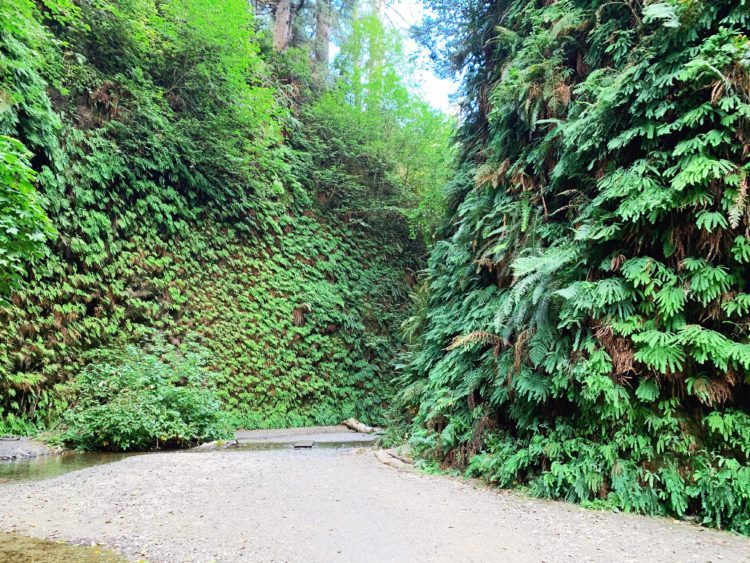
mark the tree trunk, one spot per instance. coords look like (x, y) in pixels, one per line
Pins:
(379, 8)
(357, 426)
(282, 25)
(323, 16)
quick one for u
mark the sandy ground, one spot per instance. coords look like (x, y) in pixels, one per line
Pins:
(330, 505)
(319, 435)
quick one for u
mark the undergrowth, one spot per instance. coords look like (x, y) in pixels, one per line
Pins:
(586, 331)
(190, 173)
(145, 397)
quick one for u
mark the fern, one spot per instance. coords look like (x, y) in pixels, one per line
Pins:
(662, 12)
(475, 338)
(662, 359)
(613, 242)
(711, 220)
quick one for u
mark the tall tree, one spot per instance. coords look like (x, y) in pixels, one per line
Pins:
(378, 8)
(282, 25)
(323, 23)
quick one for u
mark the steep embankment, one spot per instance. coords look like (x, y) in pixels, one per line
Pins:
(587, 331)
(161, 140)
(299, 324)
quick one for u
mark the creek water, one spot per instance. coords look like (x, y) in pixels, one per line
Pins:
(47, 466)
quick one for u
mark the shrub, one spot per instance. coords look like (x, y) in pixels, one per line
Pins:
(587, 333)
(142, 399)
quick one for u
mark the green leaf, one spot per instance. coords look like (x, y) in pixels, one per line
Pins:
(710, 220)
(661, 12)
(648, 390)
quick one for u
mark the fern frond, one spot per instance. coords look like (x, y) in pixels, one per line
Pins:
(478, 337)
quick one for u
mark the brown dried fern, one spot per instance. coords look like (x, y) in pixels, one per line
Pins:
(740, 204)
(477, 337)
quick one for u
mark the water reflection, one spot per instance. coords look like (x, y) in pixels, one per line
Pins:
(45, 467)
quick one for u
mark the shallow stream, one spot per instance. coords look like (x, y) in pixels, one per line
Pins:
(47, 466)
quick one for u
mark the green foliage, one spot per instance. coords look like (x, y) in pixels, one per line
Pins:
(301, 330)
(183, 165)
(598, 241)
(242, 297)
(376, 150)
(24, 227)
(141, 399)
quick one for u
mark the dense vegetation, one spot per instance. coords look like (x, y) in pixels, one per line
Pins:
(585, 327)
(206, 223)
(142, 399)
(203, 189)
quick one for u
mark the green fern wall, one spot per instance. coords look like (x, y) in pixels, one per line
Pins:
(586, 333)
(163, 140)
(299, 331)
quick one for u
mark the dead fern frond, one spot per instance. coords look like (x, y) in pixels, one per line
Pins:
(485, 262)
(563, 93)
(740, 204)
(713, 392)
(523, 180)
(620, 350)
(518, 349)
(298, 315)
(476, 338)
(617, 262)
(717, 92)
(710, 243)
(491, 174)
(720, 391)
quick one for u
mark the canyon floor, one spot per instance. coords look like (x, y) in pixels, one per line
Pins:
(328, 504)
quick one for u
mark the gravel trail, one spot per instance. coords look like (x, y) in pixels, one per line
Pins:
(330, 505)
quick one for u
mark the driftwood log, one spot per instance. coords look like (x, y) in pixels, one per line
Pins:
(388, 459)
(357, 426)
(394, 452)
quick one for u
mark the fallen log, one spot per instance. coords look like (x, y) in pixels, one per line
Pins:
(357, 426)
(394, 452)
(387, 459)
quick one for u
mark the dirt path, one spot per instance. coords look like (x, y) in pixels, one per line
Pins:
(329, 505)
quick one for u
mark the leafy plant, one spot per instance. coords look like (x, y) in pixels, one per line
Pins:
(142, 399)
(184, 165)
(24, 227)
(597, 236)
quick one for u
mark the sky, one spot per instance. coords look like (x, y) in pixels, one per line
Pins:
(402, 14)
